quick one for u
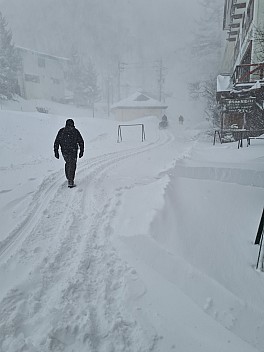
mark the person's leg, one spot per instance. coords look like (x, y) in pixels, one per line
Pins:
(66, 159)
(70, 166)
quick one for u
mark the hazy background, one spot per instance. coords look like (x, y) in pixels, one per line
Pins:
(137, 32)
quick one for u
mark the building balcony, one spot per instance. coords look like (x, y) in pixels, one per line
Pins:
(239, 5)
(237, 16)
(248, 73)
(235, 25)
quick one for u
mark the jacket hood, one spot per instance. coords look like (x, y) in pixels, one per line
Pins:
(70, 123)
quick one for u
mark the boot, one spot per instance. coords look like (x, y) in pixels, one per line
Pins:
(70, 183)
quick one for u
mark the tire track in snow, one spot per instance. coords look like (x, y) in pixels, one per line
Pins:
(52, 185)
(40, 201)
(84, 290)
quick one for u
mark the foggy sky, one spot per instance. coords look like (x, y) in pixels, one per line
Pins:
(114, 27)
(108, 30)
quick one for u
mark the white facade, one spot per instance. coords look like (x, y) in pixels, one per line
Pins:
(241, 19)
(42, 76)
(240, 93)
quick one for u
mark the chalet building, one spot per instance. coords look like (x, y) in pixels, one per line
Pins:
(42, 76)
(240, 89)
(136, 106)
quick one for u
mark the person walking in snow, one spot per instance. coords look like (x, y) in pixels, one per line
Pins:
(69, 139)
(181, 120)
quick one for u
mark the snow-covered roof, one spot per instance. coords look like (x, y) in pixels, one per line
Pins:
(223, 83)
(53, 57)
(139, 100)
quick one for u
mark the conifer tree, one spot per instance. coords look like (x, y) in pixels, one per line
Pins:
(75, 76)
(83, 81)
(9, 62)
(93, 94)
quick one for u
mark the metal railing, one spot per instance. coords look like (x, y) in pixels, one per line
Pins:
(237, 136)
(248, 73)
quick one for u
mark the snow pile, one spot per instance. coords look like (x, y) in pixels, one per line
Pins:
(152, 251)
(223, 83)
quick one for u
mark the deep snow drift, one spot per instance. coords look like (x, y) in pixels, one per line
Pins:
(152, 251)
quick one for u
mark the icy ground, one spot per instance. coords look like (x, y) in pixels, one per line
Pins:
(152, 251)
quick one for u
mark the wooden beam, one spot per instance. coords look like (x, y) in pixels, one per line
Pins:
(240, 5)
(237, 16)
(233, 33)
(234, 25)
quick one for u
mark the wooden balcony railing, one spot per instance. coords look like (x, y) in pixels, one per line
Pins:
(248, 73)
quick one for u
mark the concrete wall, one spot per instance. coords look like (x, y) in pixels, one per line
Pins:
(260, 12)
(227, 63)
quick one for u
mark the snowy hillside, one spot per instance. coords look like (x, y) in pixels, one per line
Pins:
(152, 251)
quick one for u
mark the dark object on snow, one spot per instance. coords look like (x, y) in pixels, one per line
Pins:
(164, 122)
(43, 110)
(69, 139)
(181, 119)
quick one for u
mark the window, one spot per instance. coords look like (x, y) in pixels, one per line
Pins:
(32, 78)
(41, 62)
(237, 48)
(250, 11)
(249, 15)
(243, 28)
(55, 80)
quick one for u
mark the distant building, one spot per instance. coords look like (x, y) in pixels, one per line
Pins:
(137, 105)
(240, 89)
(42, 76)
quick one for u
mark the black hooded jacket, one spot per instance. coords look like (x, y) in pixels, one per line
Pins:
(69, 139)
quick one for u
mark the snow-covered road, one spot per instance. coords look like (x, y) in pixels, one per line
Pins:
(119, 262)
(66, 291)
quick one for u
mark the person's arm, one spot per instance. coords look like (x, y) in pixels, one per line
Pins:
(80, 141)
(57, 144)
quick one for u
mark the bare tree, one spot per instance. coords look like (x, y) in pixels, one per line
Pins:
(207, 41)
(259, 43)
(205, 90)
(206, 53)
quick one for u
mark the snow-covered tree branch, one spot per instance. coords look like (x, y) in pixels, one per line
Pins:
(9, 62)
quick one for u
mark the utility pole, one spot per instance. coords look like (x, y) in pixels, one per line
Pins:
(121, 67)
(161, 78)
(108, 96)
(109, 93)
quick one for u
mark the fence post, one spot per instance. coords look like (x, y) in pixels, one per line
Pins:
(119, 133)
(143, 133)
(259, 239)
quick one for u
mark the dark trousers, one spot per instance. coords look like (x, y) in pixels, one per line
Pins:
(70, 165)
